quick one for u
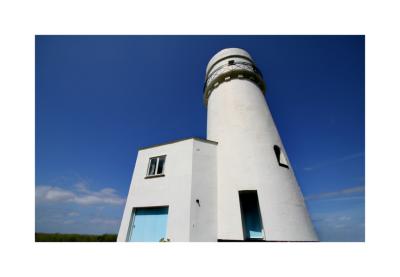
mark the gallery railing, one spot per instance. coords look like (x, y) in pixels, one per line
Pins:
(232, 70)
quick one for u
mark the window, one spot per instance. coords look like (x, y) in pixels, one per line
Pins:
(280, 157)
(156, 166)
(231, 62)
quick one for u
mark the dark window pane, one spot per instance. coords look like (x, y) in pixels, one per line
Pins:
(277, 153)
(281, 159)
(160, 168)
(152, 167)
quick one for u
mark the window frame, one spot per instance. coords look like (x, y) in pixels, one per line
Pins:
(156, 168)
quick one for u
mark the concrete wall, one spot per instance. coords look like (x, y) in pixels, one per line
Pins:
(203, 215)
(240, 120)
(176, 189)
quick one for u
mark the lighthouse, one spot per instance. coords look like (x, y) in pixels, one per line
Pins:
(235, 185)
(257, 193)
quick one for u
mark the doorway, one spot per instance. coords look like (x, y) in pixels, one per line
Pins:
(251, 216)
(148, 224)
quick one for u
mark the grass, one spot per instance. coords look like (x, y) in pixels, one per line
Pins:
(57, 237)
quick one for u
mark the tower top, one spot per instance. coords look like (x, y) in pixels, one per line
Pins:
(226, 54)
(228, 64)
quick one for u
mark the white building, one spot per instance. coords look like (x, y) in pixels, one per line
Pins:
(237, 185)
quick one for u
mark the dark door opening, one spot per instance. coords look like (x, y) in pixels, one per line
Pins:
(251, 217)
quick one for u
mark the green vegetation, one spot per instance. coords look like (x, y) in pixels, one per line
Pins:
(44, 237)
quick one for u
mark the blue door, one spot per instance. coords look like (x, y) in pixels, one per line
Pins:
(251, 216)
(149, 224)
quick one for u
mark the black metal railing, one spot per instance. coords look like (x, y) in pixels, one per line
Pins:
(226, 69)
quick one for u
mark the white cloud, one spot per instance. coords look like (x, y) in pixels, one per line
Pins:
(73, 214)
(53, 193)
(353, 190)
(334, 220)
(81, 187)
(80, 195)
(336, 195)
(333, 162)
(344, 218)
(104, 221)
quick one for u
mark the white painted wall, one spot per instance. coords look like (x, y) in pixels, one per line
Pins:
(240, 120)
(178, 189)
(203, 217)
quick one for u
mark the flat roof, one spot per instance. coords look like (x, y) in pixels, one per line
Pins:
(179, 140)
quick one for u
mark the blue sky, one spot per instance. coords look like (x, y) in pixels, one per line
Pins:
(100, 98)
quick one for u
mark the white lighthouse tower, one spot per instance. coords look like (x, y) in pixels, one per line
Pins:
(257, 193)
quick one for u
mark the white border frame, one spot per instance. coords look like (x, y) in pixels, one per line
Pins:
(21, 20)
